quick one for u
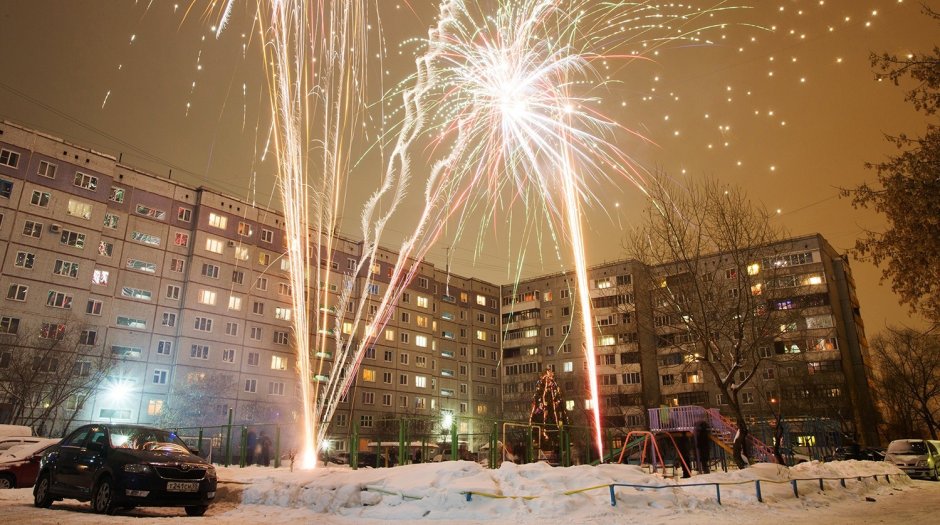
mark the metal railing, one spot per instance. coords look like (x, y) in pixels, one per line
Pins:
(794, 483)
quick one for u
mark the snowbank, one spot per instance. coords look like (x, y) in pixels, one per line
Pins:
(437, 491)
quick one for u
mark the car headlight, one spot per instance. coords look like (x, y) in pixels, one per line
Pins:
(137, 468)
(210, 471)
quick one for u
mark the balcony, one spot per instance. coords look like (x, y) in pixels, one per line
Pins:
(525, 323)
(521, 306)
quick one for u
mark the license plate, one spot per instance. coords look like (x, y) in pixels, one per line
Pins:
(182, 486)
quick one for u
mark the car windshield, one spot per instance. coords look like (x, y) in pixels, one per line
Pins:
(907, 447)
(146, 439)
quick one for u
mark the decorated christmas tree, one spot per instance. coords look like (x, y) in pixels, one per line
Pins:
(548, 410)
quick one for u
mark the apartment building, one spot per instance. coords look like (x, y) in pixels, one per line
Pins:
(186, 286)
(815, 368)
(189, 288)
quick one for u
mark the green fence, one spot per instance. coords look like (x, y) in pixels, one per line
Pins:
(407, 440)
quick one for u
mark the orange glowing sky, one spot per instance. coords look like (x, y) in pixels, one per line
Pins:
(784, 102)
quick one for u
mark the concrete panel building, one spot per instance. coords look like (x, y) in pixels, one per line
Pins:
(185, 285)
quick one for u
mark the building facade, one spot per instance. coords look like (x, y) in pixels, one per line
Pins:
(814, 370)
(185, 288)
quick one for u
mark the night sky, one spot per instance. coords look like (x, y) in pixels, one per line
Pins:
(781, 100)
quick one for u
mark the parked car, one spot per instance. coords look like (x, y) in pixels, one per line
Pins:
(916, 457)
(20, 464)
(125, 466)
(857, 453)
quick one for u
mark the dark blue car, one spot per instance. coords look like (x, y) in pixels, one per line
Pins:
(125, 466)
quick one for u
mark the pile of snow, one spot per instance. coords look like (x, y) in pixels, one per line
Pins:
(25, 450)
(438, 491)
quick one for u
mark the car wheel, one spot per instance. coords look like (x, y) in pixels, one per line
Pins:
(936, 474)
(7, 482)
(102, 499)
(196, 510)
(42, 498)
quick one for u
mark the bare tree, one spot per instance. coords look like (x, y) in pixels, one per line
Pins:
(193, 404)
(907, 376)
(48, 370)
(794, 389)
(716, 296)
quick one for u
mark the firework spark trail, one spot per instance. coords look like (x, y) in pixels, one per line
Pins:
(303, 94)
(497, 88)
(457, 177)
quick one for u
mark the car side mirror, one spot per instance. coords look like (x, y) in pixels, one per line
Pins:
(96, 447)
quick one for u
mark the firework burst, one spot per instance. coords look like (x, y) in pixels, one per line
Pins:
(506, 91)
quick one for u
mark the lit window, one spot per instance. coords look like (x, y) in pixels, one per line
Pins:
(79, 209)
(218, 221)
(207, 297)
(100, 277)
(279, 363)
(481, 300)
(154, 407)
(214, 245)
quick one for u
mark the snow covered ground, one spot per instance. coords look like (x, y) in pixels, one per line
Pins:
(434, 494)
